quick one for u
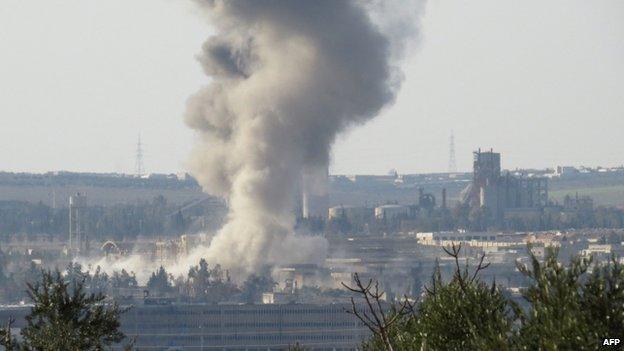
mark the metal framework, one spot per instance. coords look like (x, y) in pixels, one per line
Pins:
(452, 167)
(139, 168)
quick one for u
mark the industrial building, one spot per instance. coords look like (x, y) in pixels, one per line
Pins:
(234, 327)
(504, 195)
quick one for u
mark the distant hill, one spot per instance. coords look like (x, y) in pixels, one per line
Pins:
(54, 188)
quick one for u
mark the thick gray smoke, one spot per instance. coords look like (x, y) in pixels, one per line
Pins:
(287, 77)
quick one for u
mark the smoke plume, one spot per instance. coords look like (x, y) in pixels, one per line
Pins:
(287, 77)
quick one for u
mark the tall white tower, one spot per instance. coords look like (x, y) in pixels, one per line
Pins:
(78, 239)
(315, 193)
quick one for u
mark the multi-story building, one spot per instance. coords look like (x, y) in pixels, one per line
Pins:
(505, 195)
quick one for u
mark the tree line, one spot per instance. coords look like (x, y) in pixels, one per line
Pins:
(569, 307)
(111, 222)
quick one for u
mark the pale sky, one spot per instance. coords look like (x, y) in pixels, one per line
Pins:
(540, 81)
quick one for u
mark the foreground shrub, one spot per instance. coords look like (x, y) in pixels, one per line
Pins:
(570, 307)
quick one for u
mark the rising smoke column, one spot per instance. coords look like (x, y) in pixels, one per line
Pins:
(287, 77)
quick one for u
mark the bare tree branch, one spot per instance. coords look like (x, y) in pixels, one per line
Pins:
(377, 322)
(479, 268)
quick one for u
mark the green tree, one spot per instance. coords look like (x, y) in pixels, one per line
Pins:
(254, 286)
(65, 317)
(603, 299)
(209, 284)
(123, 279)
(159, 282)
(571, 308)
(99, 281)
(463, 314)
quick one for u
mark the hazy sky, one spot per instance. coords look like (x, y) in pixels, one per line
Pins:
(540, 81)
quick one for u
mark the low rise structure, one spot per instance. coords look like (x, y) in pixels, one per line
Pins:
(234, 327)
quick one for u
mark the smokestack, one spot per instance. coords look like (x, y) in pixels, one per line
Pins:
(287, 77)
(315, 197)
(444, 198)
